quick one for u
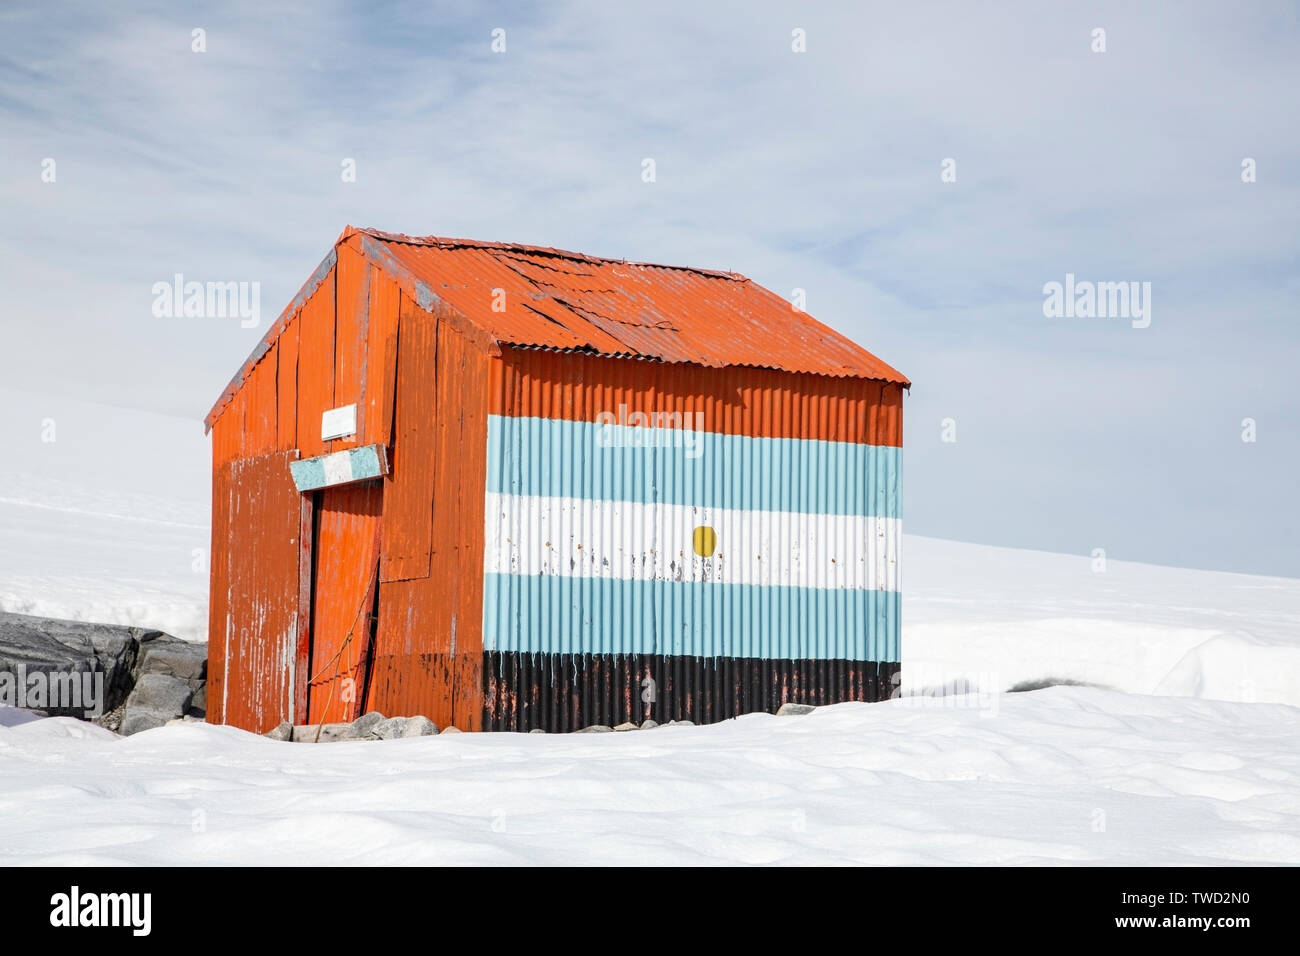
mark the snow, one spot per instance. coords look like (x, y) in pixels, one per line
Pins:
(1179, 742)
(103, 514)
(1064, 775)
(1000, 617)
(13, 716)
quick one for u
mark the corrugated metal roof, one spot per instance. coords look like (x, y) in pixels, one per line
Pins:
(566, 300)
(562, 300)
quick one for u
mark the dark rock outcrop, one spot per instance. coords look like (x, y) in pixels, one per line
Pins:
(97, 672)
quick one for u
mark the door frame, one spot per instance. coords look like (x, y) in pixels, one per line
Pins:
(311, 476)
(306, 563)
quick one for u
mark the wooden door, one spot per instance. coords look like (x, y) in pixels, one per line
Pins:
(254, 664)
(345, 560)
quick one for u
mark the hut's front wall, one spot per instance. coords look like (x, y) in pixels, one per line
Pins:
(337, 346)
(674, 542)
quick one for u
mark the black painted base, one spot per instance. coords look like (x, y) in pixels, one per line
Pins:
(566, 692)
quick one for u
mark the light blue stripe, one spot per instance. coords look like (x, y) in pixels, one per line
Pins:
(555, 457)
(551, 614)
(309, 473)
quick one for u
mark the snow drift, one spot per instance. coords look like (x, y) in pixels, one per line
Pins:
(1064, 775)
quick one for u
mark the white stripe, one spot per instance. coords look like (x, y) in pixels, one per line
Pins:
(337, 467)
(578, 537)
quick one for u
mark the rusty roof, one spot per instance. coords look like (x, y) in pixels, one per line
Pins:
(568, 301)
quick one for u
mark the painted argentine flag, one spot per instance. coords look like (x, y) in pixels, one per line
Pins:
(754, 547)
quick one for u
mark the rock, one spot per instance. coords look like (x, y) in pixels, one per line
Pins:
(96, 667)
(795, 710)
(187, 719)
(451, 730)
(363, 725)
(160, 693)
(112, 720)
(649, 724)
(419, 726)
(596, 729)
(389, 729)
(625, 726)
(680, 723)
(282, 731)
(371, 726)
(162, 654)
(537, 730)
(30, 645)
(323, 733)
(396, 727)
(156, 699)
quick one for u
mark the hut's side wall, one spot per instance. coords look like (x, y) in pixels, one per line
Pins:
(253, 610)
(734, 550)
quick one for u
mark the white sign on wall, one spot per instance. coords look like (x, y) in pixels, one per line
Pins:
(338, 422)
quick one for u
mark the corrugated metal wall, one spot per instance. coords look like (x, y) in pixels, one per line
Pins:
(563, 693)
(755, 402)
(634, 571)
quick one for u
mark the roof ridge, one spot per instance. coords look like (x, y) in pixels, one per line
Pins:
(447, 242)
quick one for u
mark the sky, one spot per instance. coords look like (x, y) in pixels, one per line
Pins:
(828, 169)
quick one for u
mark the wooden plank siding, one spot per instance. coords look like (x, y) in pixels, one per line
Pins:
(429, 645)
(340, 346)
(219, 556)
(286, 389)
(258, 653)
(379, 376)
(316, 367)
(408, 497)
(351, 337)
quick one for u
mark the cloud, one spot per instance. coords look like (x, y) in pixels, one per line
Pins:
(818, 170)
